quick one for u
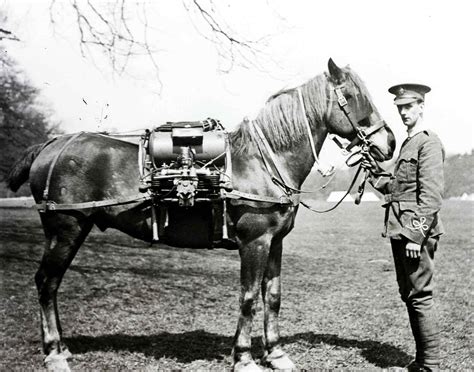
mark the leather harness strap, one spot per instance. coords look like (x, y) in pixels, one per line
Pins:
(260, 137)
(308, 128)
(53, 163)
(262, 142)
(52, 206)
(48, 205)
(324, 172)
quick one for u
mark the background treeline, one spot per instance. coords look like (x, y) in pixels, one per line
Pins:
(458, 174)
(23, 119)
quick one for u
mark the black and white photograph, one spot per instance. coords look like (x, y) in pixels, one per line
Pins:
(253, 185)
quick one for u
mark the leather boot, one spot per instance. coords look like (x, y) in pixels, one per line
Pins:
(425, 331)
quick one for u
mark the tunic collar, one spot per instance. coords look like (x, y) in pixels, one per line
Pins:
(419, 127)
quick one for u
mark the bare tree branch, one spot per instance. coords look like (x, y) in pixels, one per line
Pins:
(231, 48)
(7, 35)
(108, 26)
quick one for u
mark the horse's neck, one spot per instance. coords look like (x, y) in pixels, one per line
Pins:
(299, 161)
(302, 158)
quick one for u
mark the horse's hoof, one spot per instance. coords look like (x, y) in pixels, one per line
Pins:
(247, 366)
(65, 352)
(55, 362)
(279, 360)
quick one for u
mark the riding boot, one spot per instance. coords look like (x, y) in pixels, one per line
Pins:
(426, 334)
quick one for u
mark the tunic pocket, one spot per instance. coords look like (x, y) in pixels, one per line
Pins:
(407, 170)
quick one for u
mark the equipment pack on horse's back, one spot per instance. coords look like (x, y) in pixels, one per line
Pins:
(186, 168)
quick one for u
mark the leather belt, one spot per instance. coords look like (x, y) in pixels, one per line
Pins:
(405, 197)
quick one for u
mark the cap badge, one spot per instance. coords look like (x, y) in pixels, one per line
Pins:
(401, 92)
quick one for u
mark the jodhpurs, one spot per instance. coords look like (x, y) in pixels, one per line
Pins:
(415, 283)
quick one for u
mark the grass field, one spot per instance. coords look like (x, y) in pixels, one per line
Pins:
(126, 305)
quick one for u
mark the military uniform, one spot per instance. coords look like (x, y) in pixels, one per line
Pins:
(413, 196)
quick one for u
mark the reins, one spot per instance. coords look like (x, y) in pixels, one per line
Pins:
(312, 209)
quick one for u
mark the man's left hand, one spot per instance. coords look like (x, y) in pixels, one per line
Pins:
(369, 163)
(413, 250)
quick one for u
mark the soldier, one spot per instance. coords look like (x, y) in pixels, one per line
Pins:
(413, 196)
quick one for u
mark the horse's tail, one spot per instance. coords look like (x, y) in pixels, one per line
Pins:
(20, 170)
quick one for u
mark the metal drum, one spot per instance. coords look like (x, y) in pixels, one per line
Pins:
(165, 146)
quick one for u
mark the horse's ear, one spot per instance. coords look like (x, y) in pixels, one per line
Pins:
(336, 73)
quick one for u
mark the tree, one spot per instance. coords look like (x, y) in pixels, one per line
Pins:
(22, 123)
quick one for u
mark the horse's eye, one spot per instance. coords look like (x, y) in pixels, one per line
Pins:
(364, 122)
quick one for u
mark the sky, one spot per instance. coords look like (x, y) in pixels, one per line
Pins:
(386, 43)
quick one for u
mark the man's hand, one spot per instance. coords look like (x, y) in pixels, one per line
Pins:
(369, 164)
(413, 250)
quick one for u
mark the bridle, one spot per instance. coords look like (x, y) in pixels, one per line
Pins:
(362, 135)
(362, 138)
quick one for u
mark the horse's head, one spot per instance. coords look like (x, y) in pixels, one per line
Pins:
(353, 116)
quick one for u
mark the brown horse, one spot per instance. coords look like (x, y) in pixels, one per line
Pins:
(95, 168)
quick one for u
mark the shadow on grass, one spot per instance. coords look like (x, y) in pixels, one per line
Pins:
(380, 354)
(184, 347)
(201, 345)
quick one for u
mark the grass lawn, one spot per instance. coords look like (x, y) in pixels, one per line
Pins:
(126, 305)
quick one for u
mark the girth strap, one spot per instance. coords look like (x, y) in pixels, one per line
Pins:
(52, 206)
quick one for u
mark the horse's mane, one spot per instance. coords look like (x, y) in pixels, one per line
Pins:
(281, 119)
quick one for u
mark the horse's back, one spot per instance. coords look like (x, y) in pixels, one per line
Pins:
(88, 167)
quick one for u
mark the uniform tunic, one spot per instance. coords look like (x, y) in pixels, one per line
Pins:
(414, 193)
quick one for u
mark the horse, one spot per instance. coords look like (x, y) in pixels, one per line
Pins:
(94, 167)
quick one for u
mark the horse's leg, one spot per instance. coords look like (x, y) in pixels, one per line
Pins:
(271, 295)
(253, 258)
(64, 236)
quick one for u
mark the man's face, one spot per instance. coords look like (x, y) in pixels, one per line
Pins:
(410, 113)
